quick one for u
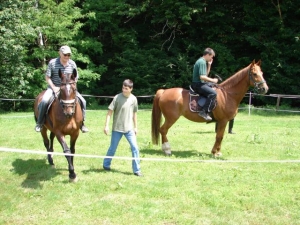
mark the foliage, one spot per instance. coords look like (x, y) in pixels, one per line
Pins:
(15, 32)
(154, 43)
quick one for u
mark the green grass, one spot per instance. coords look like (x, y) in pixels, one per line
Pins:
(171, 192)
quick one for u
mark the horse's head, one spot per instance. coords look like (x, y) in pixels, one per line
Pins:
(256, 78)
(68, 92)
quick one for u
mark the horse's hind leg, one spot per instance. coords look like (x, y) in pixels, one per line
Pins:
(164, 131)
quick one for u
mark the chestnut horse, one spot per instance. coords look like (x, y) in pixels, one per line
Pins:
(64, 117)
(174, 102)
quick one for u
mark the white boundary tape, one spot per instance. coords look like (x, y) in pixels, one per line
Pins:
(3, 149)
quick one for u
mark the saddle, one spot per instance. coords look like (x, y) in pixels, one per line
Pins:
(50, 103)
(197, 101)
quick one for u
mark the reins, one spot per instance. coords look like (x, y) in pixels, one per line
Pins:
(256, 84)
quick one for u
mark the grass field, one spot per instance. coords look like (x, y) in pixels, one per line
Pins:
(255, 181)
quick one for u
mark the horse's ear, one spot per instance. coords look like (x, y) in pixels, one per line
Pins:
(253, 62)
(258, 63)
(74, 75)
(59, 73)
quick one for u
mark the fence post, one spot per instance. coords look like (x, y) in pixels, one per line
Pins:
(278, 102)
(249, 107)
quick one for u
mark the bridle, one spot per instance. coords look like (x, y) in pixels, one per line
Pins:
(68, 103)
(257, 85)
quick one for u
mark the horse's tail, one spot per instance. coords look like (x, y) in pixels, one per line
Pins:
(156, 117)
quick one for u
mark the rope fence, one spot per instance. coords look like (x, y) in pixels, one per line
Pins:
(11, 150)
(249, 95)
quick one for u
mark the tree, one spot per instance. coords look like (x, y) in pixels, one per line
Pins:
(15, 33)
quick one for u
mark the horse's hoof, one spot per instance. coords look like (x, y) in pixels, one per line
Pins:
(73, 180)
(53, 166)
(168, 152)
(218, 154)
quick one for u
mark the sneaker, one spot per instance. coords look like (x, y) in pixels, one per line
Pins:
(38, 128)
(139, 174)
(204, 115)
(84, 129)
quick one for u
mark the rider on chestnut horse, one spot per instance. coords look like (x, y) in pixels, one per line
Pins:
(201, 82)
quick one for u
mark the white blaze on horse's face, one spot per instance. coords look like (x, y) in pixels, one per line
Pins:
(258, 80)
(68, 86)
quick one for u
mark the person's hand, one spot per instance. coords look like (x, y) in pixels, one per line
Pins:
(215, 80)
(56, 90)
(211, 61)
(135, 131)
(106, 130)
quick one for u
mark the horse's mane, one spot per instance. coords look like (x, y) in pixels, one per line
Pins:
(234, 79)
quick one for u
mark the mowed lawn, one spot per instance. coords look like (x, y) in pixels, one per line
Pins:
(256, 181)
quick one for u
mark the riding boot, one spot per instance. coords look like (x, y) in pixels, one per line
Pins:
(204, 112)
(83, 128)
(41, 114)
(209, 104)
(204, 115)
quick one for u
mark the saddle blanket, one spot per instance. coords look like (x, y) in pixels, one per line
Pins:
(194, 106)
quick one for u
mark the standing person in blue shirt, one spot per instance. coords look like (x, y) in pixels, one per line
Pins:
(201, 79)
(124, 109)
(66, 65)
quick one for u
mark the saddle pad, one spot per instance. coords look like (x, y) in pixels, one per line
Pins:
(194, 107)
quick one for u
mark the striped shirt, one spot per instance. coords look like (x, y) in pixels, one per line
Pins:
(53, 67)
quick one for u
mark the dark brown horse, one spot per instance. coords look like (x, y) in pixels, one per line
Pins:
(64, 117)
(174, 102)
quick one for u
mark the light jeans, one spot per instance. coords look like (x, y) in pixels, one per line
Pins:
(42, 107)
(115, 139)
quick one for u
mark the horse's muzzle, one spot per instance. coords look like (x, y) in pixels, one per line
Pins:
(68, 107)
(262, 89)
(69, 114)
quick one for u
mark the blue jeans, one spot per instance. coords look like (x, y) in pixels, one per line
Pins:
(205, 90)
(115, 139)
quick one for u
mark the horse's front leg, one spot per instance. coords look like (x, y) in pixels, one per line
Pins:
(48, 144)
(62, 141)
(50, 156)
(216, 150)
(72, 148)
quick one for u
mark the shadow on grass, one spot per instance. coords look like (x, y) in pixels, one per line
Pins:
(203, 132)
(187, 154)
(37, 170)
(104, 171)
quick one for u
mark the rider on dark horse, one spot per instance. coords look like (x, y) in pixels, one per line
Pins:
(201, 81)
(66, 65)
